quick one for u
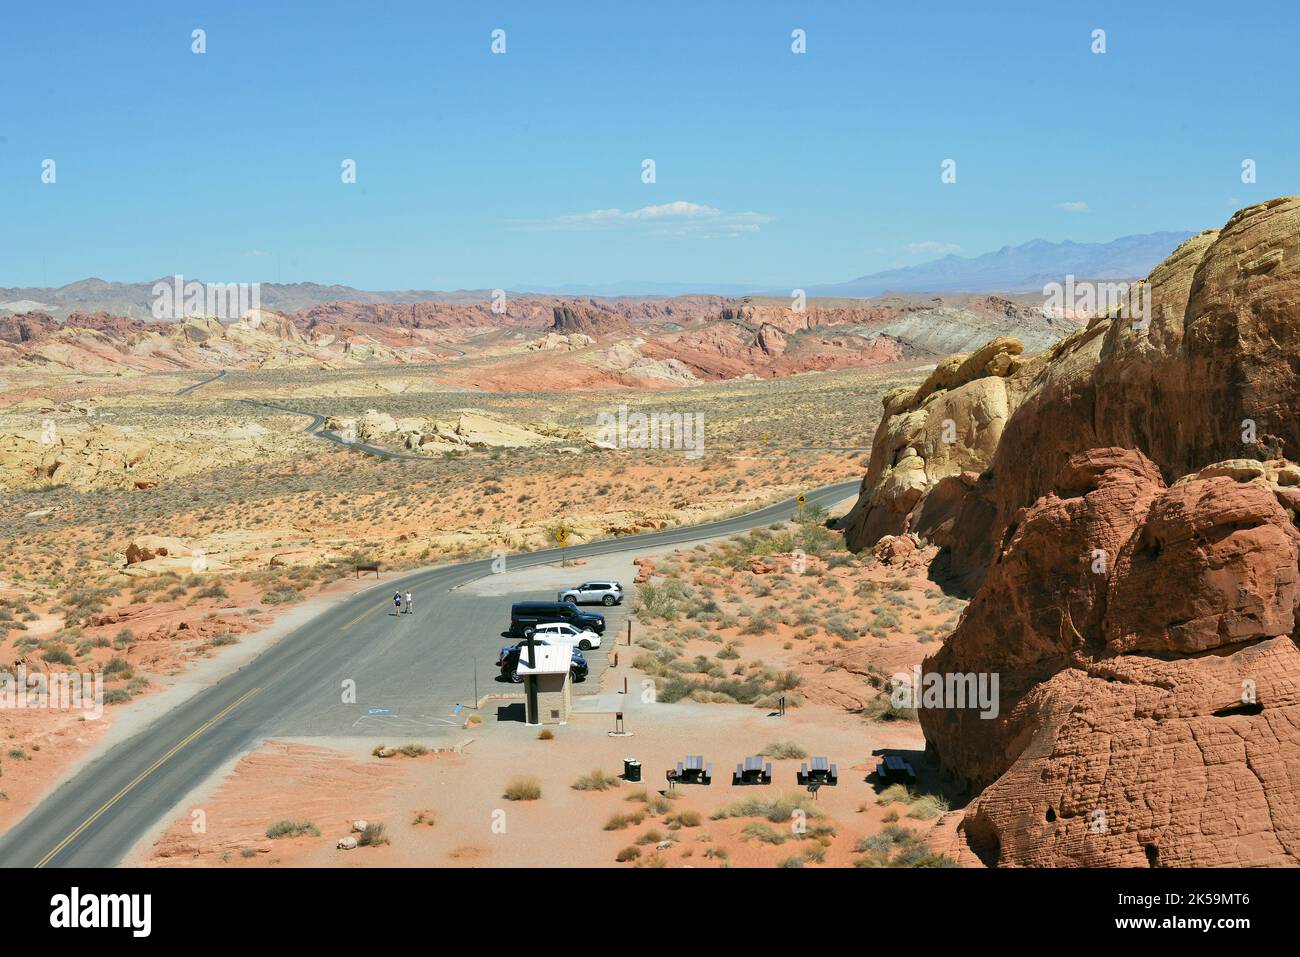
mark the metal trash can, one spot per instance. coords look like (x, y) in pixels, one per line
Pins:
(631, 769)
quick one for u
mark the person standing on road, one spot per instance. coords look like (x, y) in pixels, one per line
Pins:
(397, 601)
(408, 603)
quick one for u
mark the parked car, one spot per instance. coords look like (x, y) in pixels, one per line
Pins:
(525, 616)
(562, 631)
(603, 592)
(508, 661)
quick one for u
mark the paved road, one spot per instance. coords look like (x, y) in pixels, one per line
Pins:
(419, 666)
(190, 388)
(317, 428)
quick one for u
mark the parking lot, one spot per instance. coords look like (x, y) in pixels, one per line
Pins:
(543, 583)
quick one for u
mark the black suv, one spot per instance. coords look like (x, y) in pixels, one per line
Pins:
(525, 616)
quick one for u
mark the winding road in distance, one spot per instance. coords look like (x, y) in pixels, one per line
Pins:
(190, 388)
(410, 673)
(317, 428)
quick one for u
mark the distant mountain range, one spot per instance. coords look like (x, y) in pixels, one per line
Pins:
(1020, 268)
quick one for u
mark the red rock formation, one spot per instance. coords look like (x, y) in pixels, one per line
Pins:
(1130, 534)
(1149, 682)
(1201, 373)
(589, 320)
(25, 327)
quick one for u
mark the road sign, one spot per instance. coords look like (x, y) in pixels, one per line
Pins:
(801, 500)
(562, 536)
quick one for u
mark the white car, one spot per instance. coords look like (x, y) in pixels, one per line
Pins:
(561, 632)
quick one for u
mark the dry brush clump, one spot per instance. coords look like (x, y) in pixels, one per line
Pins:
(291, 828)
(523, 787)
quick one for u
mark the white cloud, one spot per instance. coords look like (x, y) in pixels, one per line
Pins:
(676, 219)
(932, 248)
(1075, 206)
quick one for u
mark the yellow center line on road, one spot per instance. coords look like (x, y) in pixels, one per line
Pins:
(359, 617)
(142, 775)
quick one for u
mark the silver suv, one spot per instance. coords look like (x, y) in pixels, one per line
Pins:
(602, 592)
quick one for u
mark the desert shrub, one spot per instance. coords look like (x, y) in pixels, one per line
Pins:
(373, 835)
(289, 828)
(927, 807)
(782, 750)
(620, 820)
(628, 854)
(775, 809)
(523, 787)
(920, 856)
(663, 601)
(882, 708)
(595, 780)
(895, 792)
(284, 595)
(685, 818)
(760, 831)
(659, 804)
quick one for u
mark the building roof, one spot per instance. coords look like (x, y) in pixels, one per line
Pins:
(551, 660)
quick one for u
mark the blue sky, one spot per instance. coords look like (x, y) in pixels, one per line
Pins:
(477, 170)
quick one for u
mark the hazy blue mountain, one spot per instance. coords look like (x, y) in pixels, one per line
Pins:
(1022, 268)
(1018, 268)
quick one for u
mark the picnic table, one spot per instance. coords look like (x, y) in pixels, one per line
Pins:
(693, 770)
(821, 772)
(892, 767)
(753, 771)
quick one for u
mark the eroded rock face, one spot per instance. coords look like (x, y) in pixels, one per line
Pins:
(950, 425)
(1149, 704)
(1199, 367)
(589, 320)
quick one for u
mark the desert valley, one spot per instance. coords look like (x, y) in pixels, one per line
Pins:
(475, 453)
(179, 495)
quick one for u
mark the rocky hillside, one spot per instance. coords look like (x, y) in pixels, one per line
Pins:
(1123, 512)
(102, 343)
(602, 343)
